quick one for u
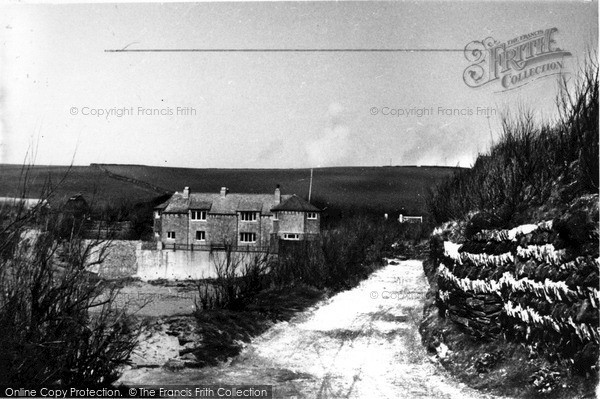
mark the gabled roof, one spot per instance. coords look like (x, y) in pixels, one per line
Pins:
(202, 204)
(229, 204)
(295, 203)
(177, 204)
(162, 206)
(232, 203)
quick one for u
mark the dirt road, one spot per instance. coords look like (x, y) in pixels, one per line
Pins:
(362, 343)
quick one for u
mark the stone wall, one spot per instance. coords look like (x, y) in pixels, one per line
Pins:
(173, 265)
(128, 259)
(199, 225)
(535, 284)
(249, 227)
(177, 223)
(120, 259)
(313, 226)
(290, 222)
(226, 229)
(222, 229)
(266, 228)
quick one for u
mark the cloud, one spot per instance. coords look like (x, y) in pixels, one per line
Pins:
(335, 146)
(441, 145)
(339, 144)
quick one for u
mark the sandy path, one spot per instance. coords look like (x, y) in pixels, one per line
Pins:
(362, 343)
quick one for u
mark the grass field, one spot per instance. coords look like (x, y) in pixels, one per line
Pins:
(371, 189)
(96, 186)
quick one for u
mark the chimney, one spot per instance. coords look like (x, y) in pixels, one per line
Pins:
(186, 192)
(277, 195)
(224, 191)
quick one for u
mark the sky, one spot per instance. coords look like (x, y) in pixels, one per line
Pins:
(65, 99)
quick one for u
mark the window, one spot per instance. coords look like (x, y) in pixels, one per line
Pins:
(311, 215)
(247, 237)
(171, 235)
(291, 236)
(248, 216)
(200, 235)
(156, 215)
(198, 215)
(276, 216)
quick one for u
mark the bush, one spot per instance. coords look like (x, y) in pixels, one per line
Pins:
(339, 259)
(533, 164)
(239, 278)
(57, 321)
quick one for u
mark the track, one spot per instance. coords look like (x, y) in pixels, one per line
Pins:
(361, 343)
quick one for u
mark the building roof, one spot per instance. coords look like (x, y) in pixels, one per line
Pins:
(229, 204)
(295, 203)
(201, 204)
(163, 205)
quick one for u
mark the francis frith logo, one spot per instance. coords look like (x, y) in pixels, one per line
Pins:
(516, 62)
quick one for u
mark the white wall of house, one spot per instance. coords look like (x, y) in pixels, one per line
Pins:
(128, 259)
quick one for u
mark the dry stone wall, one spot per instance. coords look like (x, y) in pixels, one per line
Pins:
(533, 284)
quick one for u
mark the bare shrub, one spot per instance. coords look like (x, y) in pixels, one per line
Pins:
(58, 322)
(533, 164)
(240, 276)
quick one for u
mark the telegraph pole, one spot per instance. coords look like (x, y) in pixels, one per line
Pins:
(310, 185)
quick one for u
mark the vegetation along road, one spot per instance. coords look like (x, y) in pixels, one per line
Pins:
(361, 343)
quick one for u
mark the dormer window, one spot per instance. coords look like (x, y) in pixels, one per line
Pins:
(248, 216)
(198, 215)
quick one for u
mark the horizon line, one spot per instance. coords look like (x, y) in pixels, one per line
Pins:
(234, 168)
(279, 50)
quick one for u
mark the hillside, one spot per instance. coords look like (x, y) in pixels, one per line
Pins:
(372, 189)
(514, 262)
(96, 186)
